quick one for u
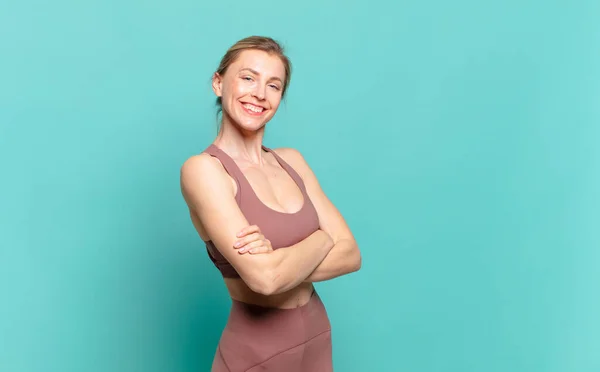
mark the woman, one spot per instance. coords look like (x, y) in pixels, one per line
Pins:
(267, 225)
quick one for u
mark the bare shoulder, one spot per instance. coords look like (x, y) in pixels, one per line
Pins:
(202, 174)
(287, 152)
(200, 167)
(294, 158)
(200, 164)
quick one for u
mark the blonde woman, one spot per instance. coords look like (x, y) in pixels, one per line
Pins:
(267, 224)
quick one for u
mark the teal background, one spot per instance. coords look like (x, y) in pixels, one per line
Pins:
(459, 139)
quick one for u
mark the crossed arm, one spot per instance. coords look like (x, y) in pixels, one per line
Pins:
(329, 252)
(344, 257)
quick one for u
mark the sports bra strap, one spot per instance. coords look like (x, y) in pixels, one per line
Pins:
(289, 169)
(232, 169)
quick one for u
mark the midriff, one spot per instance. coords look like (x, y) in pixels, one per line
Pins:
(295, 297)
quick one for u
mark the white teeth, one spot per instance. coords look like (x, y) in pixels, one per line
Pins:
(253, 108)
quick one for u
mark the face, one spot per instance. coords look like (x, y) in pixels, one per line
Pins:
(251, 89)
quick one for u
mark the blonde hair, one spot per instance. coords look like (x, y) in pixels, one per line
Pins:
(266, 44)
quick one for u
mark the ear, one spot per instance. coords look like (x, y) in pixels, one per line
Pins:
(217, 84)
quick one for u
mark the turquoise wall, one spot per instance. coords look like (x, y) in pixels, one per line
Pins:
(459, 139)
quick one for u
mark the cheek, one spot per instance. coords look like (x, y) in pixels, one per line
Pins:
(275, 100)
(233, 89)
(230, 95)
(238, 89)
(274, 107)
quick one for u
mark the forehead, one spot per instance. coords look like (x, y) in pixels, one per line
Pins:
(264, 63)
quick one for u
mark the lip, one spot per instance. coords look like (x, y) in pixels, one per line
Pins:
(253, 104)
(252, 113)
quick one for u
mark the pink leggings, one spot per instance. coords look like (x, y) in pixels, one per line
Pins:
(272, 340)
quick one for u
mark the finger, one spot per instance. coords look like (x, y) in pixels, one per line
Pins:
(247, 230)
(247, 239)
(259, 250)
(252, 245)
(264, 248)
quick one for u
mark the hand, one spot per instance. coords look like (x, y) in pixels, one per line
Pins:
(252, 240)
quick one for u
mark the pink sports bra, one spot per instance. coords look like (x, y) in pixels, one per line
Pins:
(281, 228)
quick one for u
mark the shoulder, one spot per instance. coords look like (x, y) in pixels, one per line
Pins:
(296, 160)
(292, 156)
(203, 172)
(199, 165)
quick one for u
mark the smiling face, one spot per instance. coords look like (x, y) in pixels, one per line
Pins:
(251, 89)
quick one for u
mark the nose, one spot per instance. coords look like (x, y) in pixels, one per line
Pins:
(259, 92)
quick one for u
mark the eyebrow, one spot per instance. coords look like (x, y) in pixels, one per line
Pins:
(257, 73)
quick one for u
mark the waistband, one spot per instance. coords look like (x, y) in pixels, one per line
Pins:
(314, 297)
(298, 323)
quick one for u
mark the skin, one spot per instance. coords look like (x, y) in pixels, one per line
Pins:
(281, 278)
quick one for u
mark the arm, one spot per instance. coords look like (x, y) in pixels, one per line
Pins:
(209, 194)
(345, 256)
(293, 266)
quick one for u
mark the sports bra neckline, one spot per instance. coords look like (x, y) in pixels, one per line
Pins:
(283, 165)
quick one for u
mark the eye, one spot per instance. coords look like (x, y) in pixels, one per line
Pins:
(274, 87)
(247, 78)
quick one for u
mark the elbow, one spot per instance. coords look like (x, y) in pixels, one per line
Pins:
(353, 257)
(262, 290)
(356, 262)
(265, 289)
(263, 283)
(261, 287)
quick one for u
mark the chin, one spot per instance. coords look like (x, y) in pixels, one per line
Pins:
(253, 127)
(249, 124)
(252, 124)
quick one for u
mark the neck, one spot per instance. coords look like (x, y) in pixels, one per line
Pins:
(239, 143)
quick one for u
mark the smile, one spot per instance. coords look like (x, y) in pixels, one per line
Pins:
(253, 110)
